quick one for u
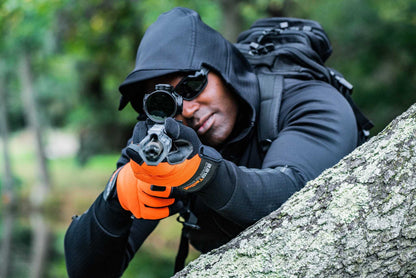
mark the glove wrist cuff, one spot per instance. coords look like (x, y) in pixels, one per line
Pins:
(210, 160)
(210, 153)
(110, 189)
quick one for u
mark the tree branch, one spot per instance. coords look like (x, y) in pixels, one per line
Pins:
(356, 219)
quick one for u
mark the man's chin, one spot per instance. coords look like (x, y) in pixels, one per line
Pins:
(211, 141)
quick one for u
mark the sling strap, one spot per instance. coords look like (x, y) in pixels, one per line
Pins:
(189, 222)
(183, 251)
(271, 88)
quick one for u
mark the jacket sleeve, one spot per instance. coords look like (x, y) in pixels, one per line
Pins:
(102, 241)
(317, 128)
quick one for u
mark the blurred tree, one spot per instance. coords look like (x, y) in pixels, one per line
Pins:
(6, 241)
(232, 18)
(41, 240)
(6, 189)
(42, 185)
(7, 192)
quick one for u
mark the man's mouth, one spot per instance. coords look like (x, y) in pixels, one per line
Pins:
(205, 124)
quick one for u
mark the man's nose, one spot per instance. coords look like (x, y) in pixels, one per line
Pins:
(189, 107)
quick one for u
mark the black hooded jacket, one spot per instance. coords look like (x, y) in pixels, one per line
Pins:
(316, 129)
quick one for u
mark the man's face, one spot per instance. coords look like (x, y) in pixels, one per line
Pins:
(212, 114)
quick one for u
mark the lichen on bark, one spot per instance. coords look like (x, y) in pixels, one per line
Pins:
(355, 219)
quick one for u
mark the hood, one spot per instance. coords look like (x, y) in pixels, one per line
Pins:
(180, 42)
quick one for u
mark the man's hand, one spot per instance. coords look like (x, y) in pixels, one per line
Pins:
(188, 173)
(149, 192)
(142, 199)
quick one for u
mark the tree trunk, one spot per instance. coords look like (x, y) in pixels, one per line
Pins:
(42, 187)
(357, 219)
(232, 19)
(8, 219)
(7, 192)
(41, 238)
(7, 176)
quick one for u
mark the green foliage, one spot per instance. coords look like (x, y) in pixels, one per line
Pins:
(374, 48)
(82, 51)
(28, 27)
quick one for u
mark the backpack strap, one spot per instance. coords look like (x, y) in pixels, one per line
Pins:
(189, 222)
(343, 86)
(182, 252)
(271, 89)
(364, 124)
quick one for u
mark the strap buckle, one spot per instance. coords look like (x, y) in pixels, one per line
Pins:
(346, 87)
(189, 220)
(261, 48)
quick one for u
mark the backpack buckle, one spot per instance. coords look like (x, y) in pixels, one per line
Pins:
(268, 32)
(259, 49)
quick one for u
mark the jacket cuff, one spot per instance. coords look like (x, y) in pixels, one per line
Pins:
(111, 217)
(220, 189)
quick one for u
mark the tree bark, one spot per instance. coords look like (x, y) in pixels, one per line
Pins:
(357, 219)
(42, 188)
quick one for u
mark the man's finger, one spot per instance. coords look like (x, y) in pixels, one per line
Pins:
(155, 202)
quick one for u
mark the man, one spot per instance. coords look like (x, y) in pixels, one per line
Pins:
(227, 182)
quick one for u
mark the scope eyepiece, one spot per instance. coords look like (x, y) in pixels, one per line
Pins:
(162, 103)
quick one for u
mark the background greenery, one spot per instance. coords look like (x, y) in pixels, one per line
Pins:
(80, 51)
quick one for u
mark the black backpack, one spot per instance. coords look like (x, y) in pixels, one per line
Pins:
(278, 48)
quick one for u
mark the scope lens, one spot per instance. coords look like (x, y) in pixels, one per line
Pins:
(160, 105)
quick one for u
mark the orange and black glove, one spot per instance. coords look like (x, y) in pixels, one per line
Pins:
(143, 200)
(188, 174)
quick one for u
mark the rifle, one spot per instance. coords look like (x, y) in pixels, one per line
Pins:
(158, 105)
